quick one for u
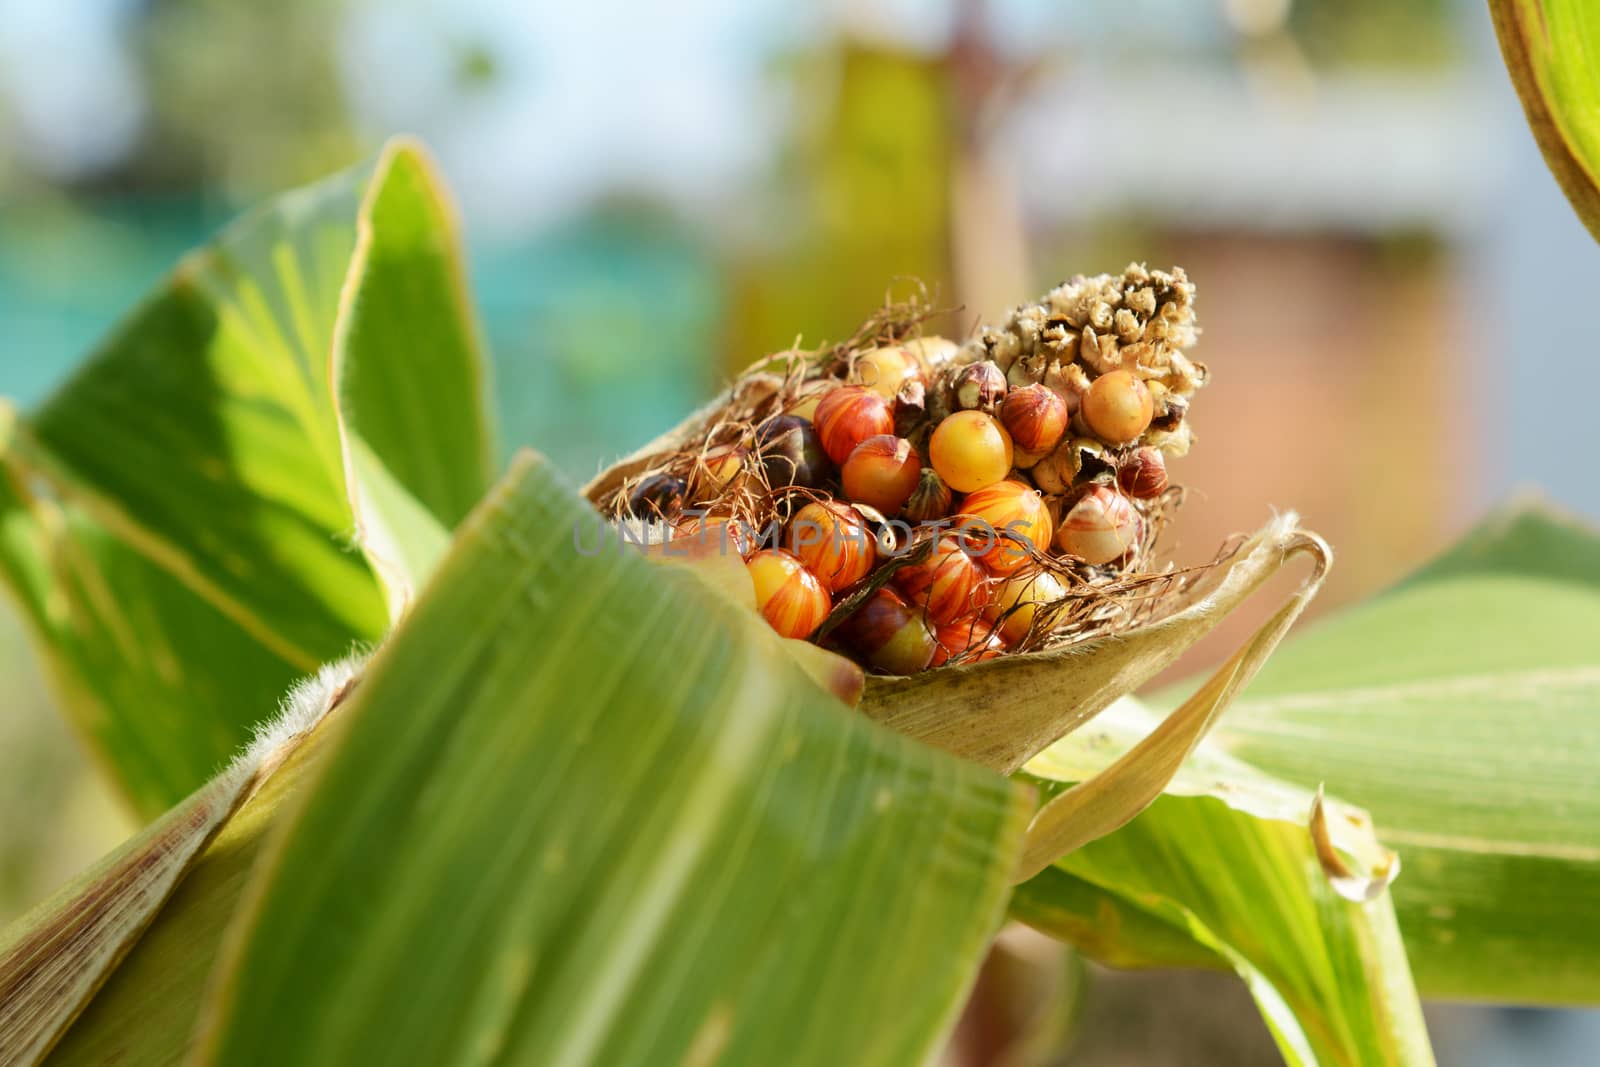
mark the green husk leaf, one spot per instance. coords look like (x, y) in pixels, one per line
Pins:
(202, 432)
(177, 515)
(1462, 708)
(694, 765)
(1106, 926)
(1329, 974)
(409, 376)
(163, 687)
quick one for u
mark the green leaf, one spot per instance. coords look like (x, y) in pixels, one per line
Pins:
(1222, 868)
(1462, 709)
(584, 809)
(164, 687)
(179, 530)
(409, 376)
(1552, 51)
(1106, 926)
(203, 433)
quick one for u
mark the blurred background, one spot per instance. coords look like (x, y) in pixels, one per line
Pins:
(656, 194)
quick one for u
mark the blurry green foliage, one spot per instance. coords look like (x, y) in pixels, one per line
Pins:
(244, 97)
(1393, 34)
(862, 193)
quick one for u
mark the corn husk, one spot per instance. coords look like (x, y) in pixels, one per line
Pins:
(1117, 627)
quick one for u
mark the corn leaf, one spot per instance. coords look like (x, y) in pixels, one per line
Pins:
(180, 513)
(1462, 709)
(560, 814)
(163, 686)
(1552, 51)
(203, 432)
(611, 836)
(409, 376)
(1222, 870)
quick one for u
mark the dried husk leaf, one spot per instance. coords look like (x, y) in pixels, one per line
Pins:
(1001, 712)
(1095, 807)
(54, 958)
(1349, 839)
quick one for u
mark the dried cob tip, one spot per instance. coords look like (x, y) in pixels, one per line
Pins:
(970, 450)
(890, 634)
(1101, 527)
(930, 500)
(1005, 523)
(790, 453)
(882, 473)
(849, 415)
(1036, 418)
(833, 542)
(789, 597)
(979, 387)
(947, 584)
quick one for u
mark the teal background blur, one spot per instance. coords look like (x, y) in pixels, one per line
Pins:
(572, 308)
(655, 194)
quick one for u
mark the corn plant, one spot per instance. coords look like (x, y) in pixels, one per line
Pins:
(525, 803)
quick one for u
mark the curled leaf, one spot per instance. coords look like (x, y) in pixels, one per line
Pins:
(1002, 712)
(1357, 886)
(54, 958)
(1095, 807)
